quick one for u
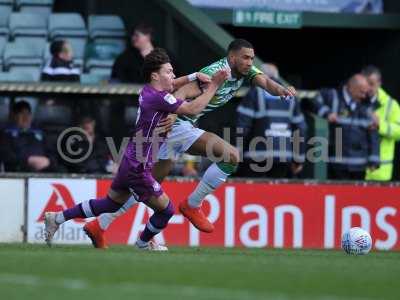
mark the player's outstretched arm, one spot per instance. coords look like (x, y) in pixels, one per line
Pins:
(273, 87)
(198, 104)
(181, 81)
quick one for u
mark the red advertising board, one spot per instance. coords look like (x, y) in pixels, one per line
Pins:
(274, 215)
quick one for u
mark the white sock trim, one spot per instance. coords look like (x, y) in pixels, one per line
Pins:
(87, 210)
(106, 219)
(60, 218)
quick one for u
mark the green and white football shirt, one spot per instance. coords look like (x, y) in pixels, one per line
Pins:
(226, 91)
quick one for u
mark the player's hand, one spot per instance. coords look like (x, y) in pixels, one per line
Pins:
(165, 125)
(219, 77)
(203, 78)
(286, 92)
(332, 117)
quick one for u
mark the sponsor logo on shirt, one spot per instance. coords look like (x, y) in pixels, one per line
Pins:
(156, 186)
(170, 99)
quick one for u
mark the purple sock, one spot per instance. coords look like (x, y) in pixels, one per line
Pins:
(158, 221)
(91, 208)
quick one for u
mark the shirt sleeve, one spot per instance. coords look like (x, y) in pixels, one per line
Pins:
(209, 70)
(254, 71)
(167, 102)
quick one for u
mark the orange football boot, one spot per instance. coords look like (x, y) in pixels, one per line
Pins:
(96, 234)
(196, 216)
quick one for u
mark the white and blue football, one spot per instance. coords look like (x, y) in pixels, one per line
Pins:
(356, 241)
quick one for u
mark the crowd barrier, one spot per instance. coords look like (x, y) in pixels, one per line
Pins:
(275, 214)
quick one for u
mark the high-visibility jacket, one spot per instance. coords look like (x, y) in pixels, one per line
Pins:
(389, 131)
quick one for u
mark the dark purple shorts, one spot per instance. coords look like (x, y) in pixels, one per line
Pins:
(138, 181)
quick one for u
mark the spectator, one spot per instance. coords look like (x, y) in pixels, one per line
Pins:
(27, 148)
(353, 141)
(99, 160)
(60, 67)
(280, 123)
(388, 123)
(127, 67)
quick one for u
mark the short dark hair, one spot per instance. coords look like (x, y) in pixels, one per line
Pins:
(56, 47)
(238, 44)
(371, 69)
(144, 28)
(153, 62)
(20, 106)
(86, 119)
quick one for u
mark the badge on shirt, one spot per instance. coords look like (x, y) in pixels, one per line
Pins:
(156, 186)
(170, 99)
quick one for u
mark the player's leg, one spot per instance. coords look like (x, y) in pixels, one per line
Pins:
(226, 159)
(86, 209)
(96, 228)
(161, 169)
(163, 212)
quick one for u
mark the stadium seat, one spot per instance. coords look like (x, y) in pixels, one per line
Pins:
(4, 110)
(3, 42)
(52, 119)
(42, 7)
(106, 26)
(101, 57)
(66, 25)
(21, 74)
(130, 115)
(8, 4)
(53, 115)
(25, 26)
(92, 78)
(23, 54)
(5, 12)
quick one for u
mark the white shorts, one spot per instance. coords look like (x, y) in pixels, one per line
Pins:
(180, 138)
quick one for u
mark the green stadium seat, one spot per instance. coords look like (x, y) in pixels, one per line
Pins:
(3, 42)
(27, 26)
(101, 57)
(66, 25)
(42, 7)
(93, 78)
(21, 74)
(4, 110)
(23, 54)
(106, 26)
(5, 12)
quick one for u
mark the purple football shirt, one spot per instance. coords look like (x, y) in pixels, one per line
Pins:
(153, 107)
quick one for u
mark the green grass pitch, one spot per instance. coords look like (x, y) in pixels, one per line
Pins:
(76, 272)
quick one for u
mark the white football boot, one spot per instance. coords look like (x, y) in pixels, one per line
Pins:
(50, 227)
(151, 246)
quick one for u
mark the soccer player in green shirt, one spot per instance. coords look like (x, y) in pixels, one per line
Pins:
(185, 137)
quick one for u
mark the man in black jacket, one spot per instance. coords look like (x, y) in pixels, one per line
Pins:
(60, 67)
(127, 67)
(353, 138)
(26, 146)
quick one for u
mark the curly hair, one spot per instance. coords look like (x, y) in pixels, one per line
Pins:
(153, 62)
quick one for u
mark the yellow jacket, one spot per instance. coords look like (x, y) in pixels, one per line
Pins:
(389, 132)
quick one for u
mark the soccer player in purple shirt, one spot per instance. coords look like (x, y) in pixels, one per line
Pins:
(134, 174)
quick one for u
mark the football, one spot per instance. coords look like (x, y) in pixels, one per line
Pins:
(356, 241)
